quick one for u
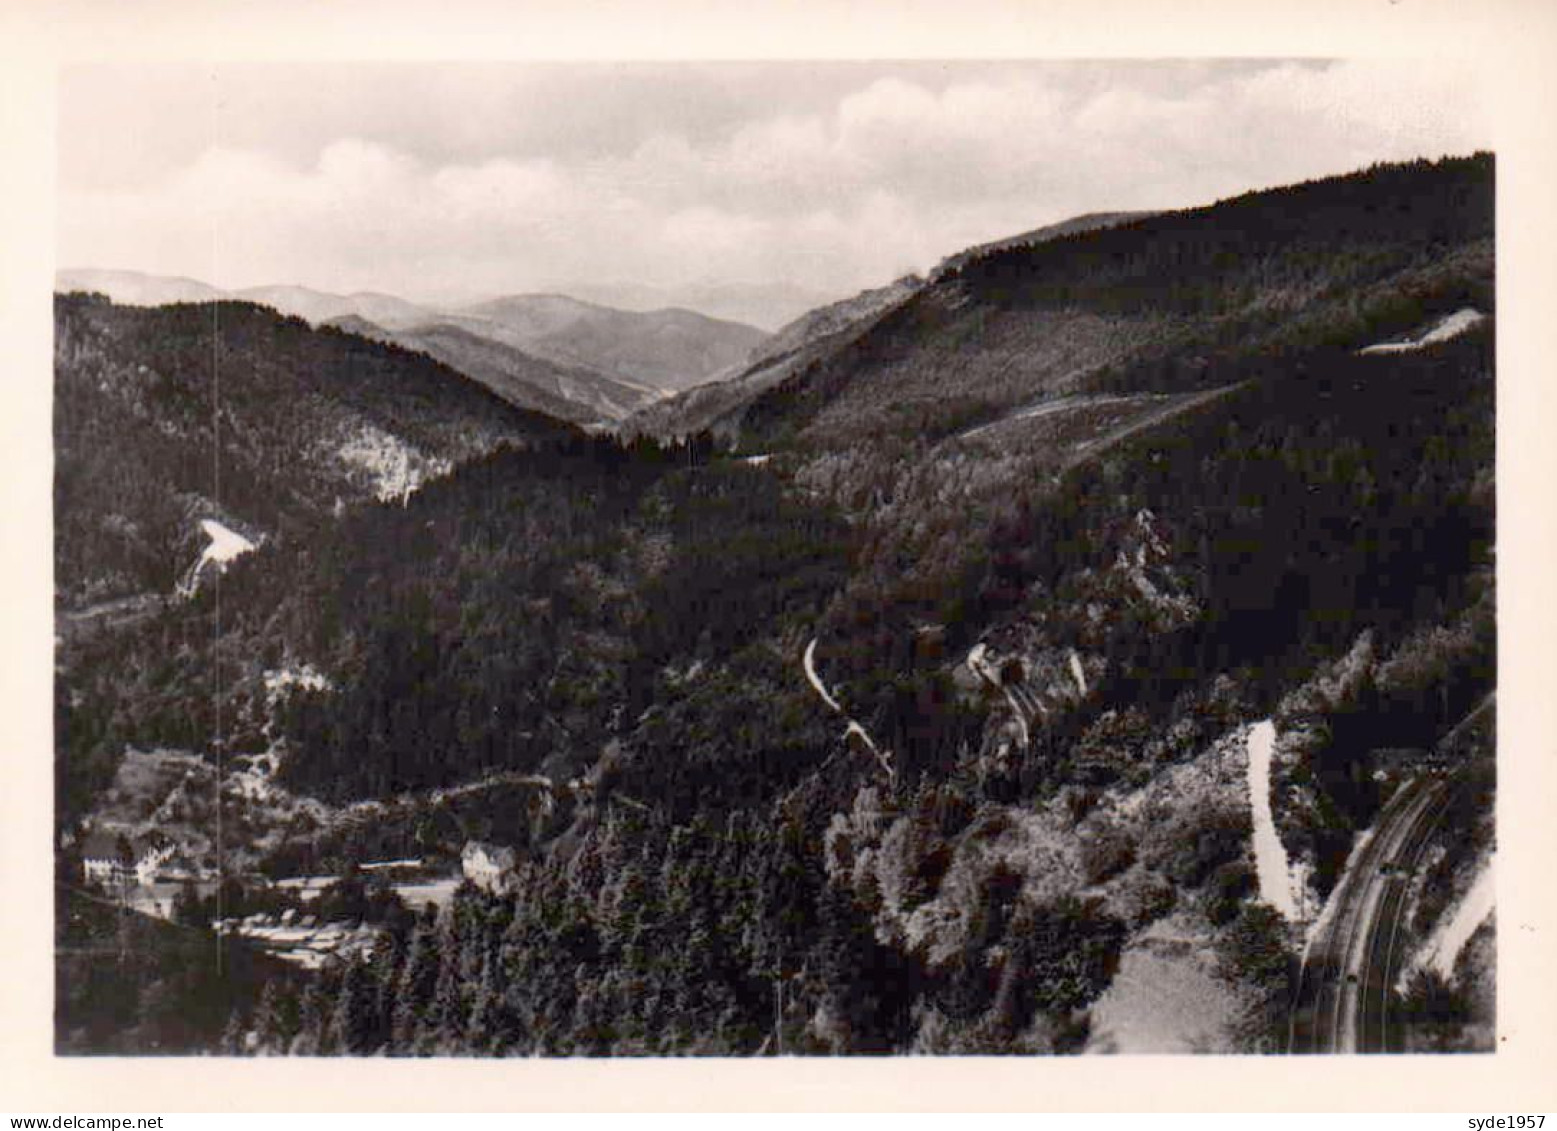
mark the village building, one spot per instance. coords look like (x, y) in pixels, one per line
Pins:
(489, 867)
(103, 860)
(115, 861)
(149, 865)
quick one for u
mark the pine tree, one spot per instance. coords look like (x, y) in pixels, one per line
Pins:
(310, 1039)
(187, 905)
(445, 1023)
(233, 1035)
(273, 1030)
(386, 966)
(418, 978)
(482, 1030)
(352, 1028)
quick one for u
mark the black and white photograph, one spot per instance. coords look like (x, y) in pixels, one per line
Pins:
(729, 558)
(774, 559)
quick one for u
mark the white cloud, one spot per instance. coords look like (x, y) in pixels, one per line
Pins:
(834, 195)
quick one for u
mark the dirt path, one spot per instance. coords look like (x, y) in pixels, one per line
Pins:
(109, 614)
(1050, 408)
(1089, 449)
(1270, 857)
(853, 728)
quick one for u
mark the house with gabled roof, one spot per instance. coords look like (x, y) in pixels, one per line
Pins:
(114, 860)
(489, 867)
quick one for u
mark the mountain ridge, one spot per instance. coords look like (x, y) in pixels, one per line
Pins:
(574, 393)
(672, 348)
(136, 429)
(664, 350)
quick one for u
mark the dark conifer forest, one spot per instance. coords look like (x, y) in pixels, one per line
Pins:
(1055, 530)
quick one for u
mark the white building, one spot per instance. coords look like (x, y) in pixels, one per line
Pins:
(489, 867)
(117, 862)
(150, 863)
(103, 860)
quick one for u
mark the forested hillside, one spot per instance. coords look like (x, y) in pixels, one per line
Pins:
(568, 392)
(1158, 304)
(788, 351)
(574, 360)
(905, 733)
(669, 349)
(167, 415)
(128, 985)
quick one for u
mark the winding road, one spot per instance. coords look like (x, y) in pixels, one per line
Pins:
(1344, 990)
(883, 757)
(1351, 966)
(110, 614)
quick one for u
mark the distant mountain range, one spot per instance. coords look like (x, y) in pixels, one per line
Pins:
(135, 288)
(577, 360)
(765, 305)
(782, 355)
(821, 330)
(670, 349)
(575, 393)
(320, 306)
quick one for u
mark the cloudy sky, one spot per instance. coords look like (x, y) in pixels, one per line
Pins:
(471, 179)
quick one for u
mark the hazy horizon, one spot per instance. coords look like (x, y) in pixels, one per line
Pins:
(617, 294)
(448, 183)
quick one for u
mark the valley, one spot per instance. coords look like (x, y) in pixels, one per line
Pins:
(1033, 657)
(577, 361)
